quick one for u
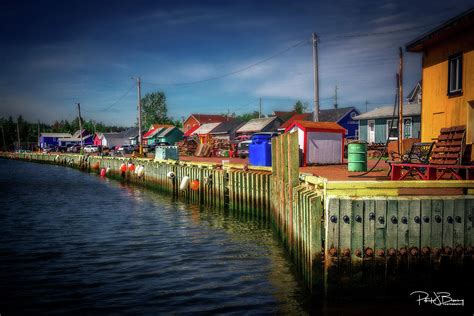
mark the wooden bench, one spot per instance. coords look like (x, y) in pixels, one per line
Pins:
(418, 153)
(432, 172)
(445, 159)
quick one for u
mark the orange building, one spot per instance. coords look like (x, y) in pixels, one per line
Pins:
(447, 76)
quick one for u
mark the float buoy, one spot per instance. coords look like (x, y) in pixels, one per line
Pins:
(184, 183)
(194, 185)
(123, 167)
(131, 167)
(96, 166)
(107, 170)
(170, 175)
(103, 172)
(140, 171)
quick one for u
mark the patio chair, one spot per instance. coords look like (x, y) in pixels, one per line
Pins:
(418, 153)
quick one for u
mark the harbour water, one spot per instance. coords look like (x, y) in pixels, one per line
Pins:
(80, 244)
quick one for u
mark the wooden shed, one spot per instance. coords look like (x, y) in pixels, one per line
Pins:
(320, 142)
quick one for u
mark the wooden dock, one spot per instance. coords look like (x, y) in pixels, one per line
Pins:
(339, 234)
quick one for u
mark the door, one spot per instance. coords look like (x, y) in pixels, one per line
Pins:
(371, 131)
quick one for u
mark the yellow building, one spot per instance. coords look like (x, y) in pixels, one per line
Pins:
(448, 76)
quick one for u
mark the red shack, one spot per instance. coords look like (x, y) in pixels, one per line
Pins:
(321, 142)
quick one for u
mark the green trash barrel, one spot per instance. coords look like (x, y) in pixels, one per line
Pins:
(357, 157)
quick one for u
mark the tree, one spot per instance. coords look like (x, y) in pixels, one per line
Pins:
(246, 116)
(154, 109)
(300, 107)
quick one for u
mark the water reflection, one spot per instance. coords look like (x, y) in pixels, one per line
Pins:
(76, 243)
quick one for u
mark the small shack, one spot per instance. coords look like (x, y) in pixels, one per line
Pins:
(204, 130)
(259, 125)
(320, 142)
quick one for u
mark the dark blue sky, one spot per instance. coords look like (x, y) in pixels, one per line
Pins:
(56, 53)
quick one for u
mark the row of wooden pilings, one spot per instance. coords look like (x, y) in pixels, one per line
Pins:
(335, 241)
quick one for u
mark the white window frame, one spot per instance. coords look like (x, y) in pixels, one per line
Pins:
(387, 124)
(455, 74)
(411, 127)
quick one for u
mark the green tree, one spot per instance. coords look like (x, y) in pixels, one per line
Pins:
(246, 116)
(300, 107)
(154, 109)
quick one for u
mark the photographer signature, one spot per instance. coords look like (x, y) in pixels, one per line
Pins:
(437, 298)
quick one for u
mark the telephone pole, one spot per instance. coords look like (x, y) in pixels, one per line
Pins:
(39, 133)
(260, 109)
(3, 136)
(366, 105)
(80, 123)
(335, 97)
(400, 105)
(18, 133)
(139, 93)
(316, 79)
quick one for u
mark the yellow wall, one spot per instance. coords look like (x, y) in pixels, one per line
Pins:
(438, 109)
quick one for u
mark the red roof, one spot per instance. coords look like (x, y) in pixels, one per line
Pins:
(327, 126)
(154, 127)
(210, 118)
(190, 131)
(297, 117)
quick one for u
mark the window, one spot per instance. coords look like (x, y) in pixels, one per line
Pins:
(455, 75)
(353, 114)
(407, 127)
(392, 130)
(356, 134)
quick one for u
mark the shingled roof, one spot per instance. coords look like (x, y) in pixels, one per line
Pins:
(413, 109)
(333, 115)
(209, 118)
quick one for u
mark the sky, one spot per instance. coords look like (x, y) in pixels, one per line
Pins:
(57, 53)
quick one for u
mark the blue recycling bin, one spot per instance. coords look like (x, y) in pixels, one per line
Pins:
(260, 150)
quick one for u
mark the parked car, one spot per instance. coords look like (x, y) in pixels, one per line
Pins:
(126, 149)
(243, 149)
(74, 149)
(62, 149)
(91, 149)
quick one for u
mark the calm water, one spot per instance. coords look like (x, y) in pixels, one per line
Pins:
(75, 243)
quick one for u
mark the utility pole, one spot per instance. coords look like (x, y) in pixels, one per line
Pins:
(260, 109)
(39, 134)
(139, 93)
(400, 105)
(316, 79)
(366, 106)
(18, 132)
(80, 123)
(335, 97)
(3, 136)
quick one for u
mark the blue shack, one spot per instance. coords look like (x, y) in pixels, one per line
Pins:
(52, 139)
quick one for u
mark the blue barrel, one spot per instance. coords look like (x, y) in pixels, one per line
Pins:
(260, 150)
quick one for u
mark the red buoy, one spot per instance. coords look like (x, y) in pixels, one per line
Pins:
(123, 167)
(194, 185)
(131, 167)
(102, 172)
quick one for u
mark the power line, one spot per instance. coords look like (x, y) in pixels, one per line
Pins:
(232, 72)
(377, 33)
(114, 103)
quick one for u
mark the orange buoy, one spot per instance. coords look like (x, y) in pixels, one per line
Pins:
(123, 167)
(194, 185)
(96, 166)
(131, 167)
(102, 172)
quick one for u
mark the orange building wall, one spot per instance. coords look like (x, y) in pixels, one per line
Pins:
(190, 123)
(438, 109)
